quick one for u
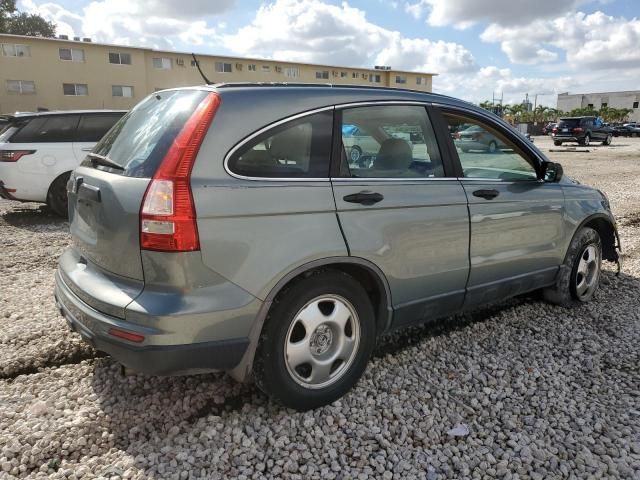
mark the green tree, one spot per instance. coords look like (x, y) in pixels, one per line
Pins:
(19, 23)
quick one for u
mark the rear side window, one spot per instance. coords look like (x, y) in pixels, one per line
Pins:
(139, 140)
(300, 148)
(93, 127)
(47, 129)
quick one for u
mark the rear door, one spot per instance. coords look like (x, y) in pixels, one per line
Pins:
(401, 209)
(92, 127)
(516, 218)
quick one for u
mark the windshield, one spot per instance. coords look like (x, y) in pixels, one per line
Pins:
(139, 141)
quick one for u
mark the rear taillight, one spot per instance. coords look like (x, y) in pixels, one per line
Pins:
(168, 215)
(555, 130)
(14, 155)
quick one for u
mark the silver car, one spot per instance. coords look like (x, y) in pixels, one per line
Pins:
(223, 228)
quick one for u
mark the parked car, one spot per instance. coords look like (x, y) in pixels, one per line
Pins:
(626, 130)
(476, 138)
(223, 228)
(38, 151)
(548, 128)
(581, 130)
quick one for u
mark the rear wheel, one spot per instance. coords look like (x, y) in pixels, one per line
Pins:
(493, 146)
(316, 341)
(57, 195)
(608, 140)
(579, 277)
(557, 143)
(586, 141)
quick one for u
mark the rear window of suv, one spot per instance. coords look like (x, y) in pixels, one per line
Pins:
(569, 123)
(139, 141)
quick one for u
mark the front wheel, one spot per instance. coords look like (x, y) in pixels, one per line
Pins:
(493, 146)
(586, 141)
(316, 341)
(557, 143)
(608, 140)
(579, 277)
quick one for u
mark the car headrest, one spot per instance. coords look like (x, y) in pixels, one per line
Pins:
(394, 154)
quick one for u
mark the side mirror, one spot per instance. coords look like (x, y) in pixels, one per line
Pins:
(552, 172)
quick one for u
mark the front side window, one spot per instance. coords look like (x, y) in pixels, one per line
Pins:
(487, 153)
(394, 141)
(75, 89)
(21, 87)
(120, 58)
(122, 91)
(300, 148)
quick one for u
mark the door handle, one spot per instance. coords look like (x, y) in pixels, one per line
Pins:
(486, 194)
(364, 198)
(89, 192)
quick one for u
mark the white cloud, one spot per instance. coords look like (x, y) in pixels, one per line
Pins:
(463, 13)
(594, 41)
(340, 35)
(153, 23)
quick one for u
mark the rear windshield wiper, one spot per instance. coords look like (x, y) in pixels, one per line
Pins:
(104, 161)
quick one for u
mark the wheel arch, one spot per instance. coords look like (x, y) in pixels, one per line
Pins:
(61, 174)
(365, 272)
(608, 232)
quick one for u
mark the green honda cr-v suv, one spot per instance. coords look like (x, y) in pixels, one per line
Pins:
(226, 227)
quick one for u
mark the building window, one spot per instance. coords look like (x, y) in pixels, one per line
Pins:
(15, 50)
(343, 74)
(122, 91)
(251, 67)
(322, 75)
(266, 68)
(22, 87)
(419, 81)
(75, 89)
(71, 54)
(374, 78)
(354, 75)
(162, 63)
(401, 79)
(222, 67)
(590, 105)
(635, 104)
(604, 105)
(120, 58)
(292, 72)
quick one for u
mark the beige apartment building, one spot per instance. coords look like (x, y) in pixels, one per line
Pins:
(60, 74)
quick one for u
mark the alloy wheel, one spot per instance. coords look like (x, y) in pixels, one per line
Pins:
(322, 341)
(588, 272)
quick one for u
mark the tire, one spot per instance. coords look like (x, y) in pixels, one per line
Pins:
(608, 140)
(492, 147)
(355, 153)
(291, 382)
(557, 144)
(579, 277)
(586, 141)
(57, 195)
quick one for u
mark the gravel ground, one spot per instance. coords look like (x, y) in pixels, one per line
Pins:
(545, 392)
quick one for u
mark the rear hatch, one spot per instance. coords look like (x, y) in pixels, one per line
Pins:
(107, 190)
(566, 127)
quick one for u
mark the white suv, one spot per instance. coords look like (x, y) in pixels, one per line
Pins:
(38, 151)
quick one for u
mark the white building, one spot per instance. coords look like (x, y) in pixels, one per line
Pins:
(628, 99)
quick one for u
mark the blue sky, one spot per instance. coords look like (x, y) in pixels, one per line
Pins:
(477, 47)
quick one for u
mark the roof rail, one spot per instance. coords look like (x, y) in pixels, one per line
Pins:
(330, 85)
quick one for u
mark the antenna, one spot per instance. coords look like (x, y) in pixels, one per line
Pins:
(206, 80)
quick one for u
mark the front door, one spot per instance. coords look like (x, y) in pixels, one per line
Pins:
(516, 218)
(400, 209)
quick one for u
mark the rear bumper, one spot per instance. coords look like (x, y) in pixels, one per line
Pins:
(4, 193)
(567, 139)
(149, 358)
